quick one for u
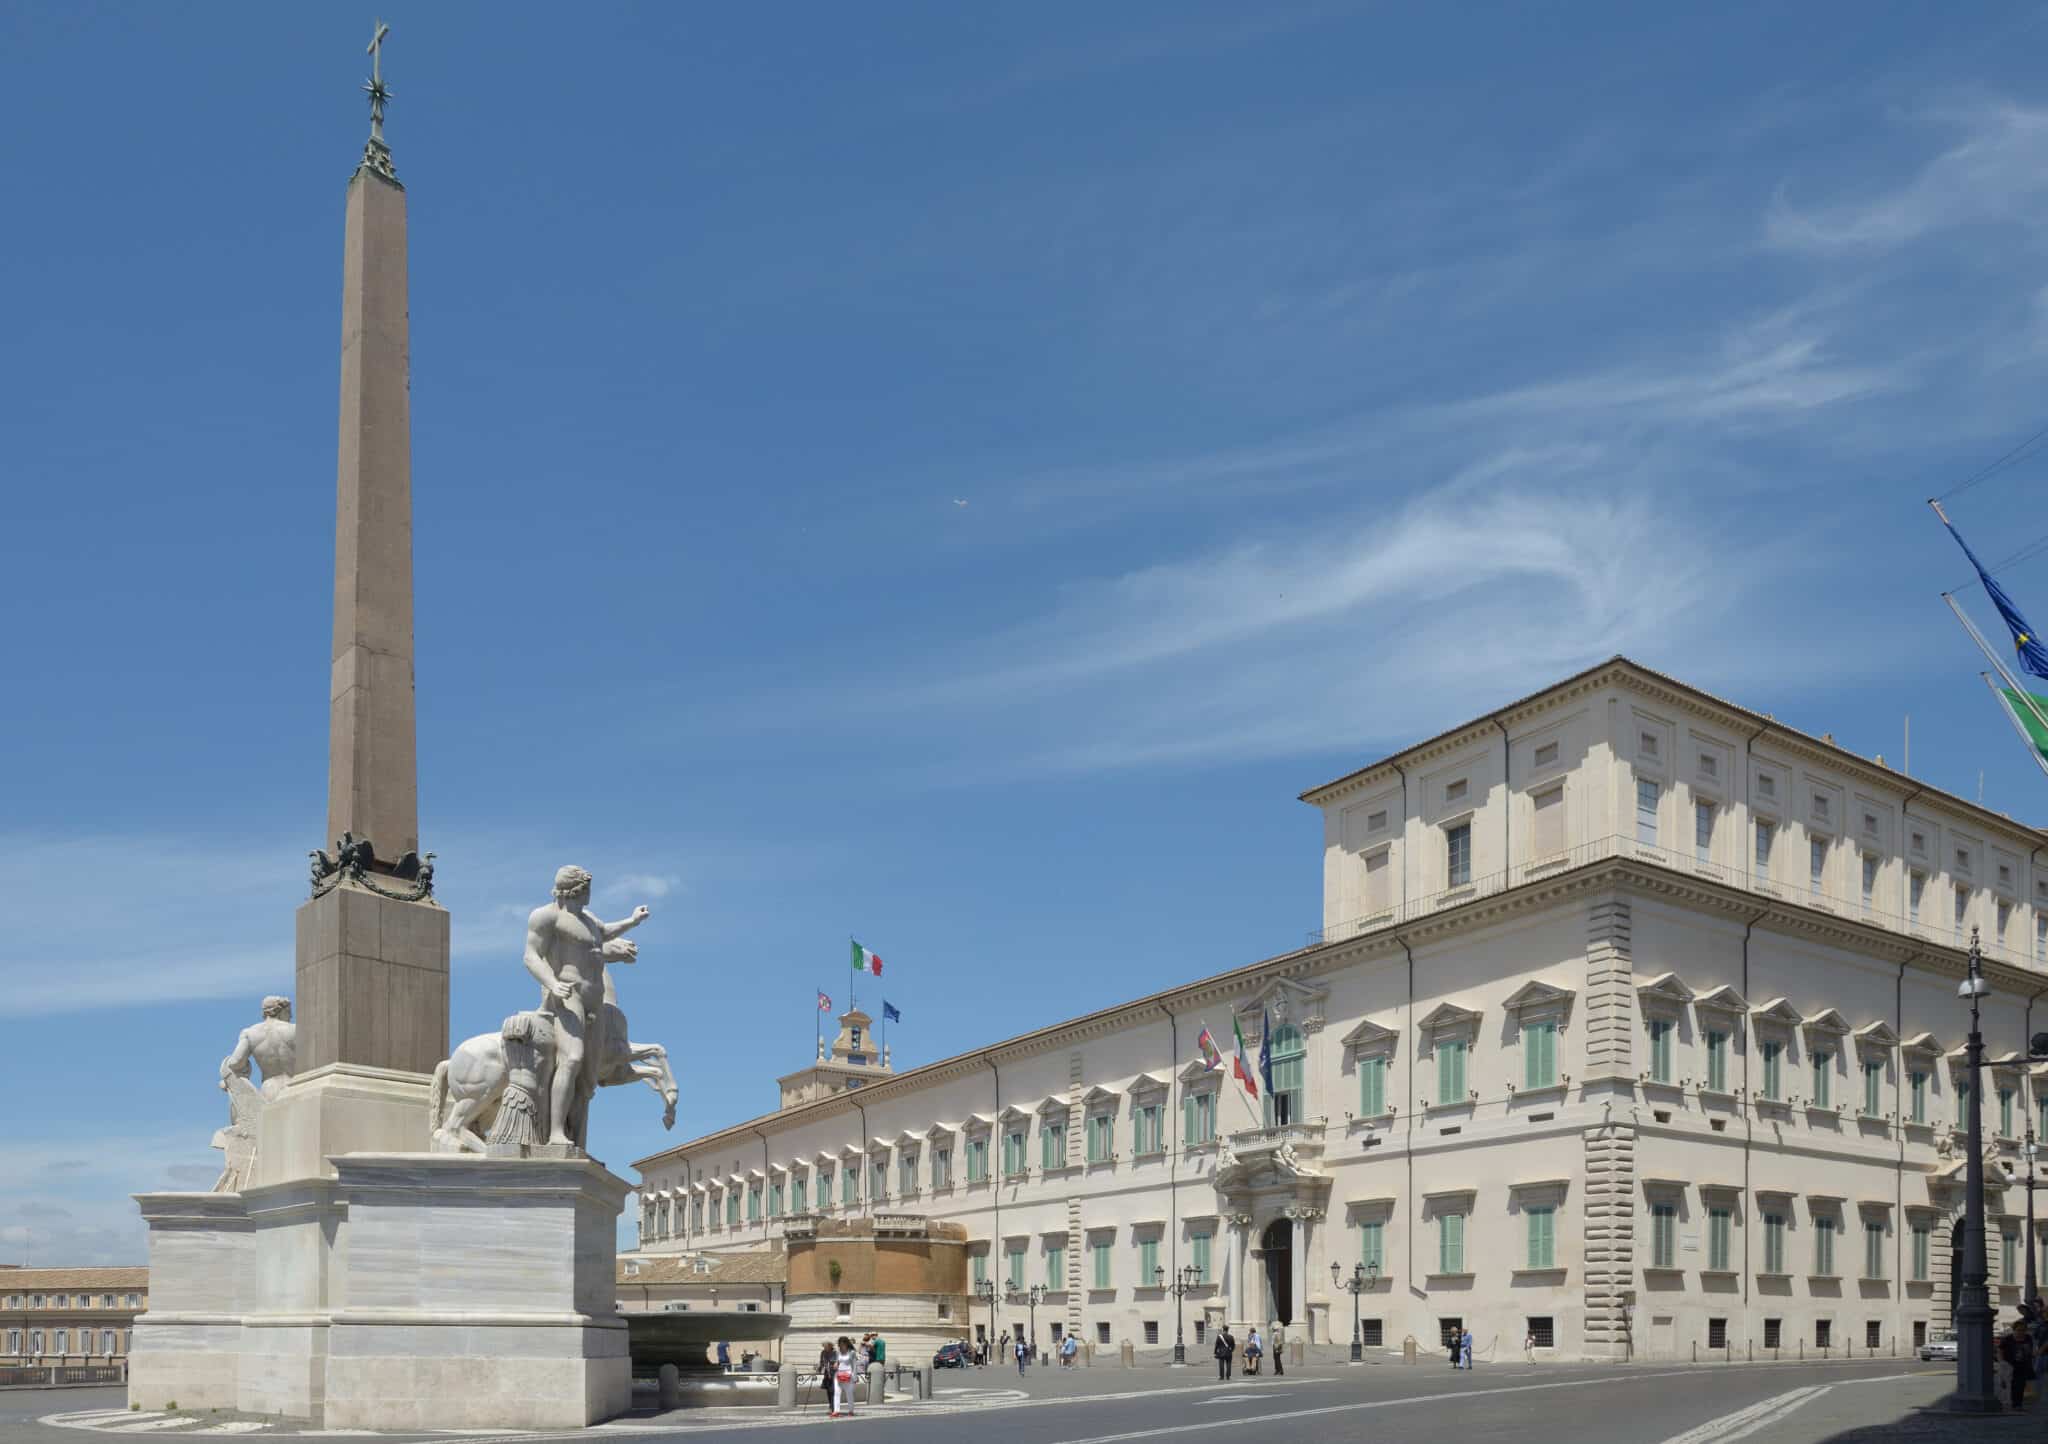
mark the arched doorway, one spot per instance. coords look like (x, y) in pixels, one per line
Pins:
(1276, 1246)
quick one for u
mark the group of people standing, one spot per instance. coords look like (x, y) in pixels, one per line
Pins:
(842, 1364)
(1459, 1342)
(1225, 1350)
(2021, 1352)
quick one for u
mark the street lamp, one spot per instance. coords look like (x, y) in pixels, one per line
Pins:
(1184, 1283)
(1030, 1296)
(1973, 1392)
(1363, 1277)
(2028, 1153)
(985, 1290)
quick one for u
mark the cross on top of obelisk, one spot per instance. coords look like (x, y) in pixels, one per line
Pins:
(376, 154)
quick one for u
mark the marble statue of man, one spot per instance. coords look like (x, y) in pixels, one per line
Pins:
(273, 1046)
(566, 950)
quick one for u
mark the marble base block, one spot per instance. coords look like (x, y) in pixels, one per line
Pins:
(186, 1349)
(339, 1108)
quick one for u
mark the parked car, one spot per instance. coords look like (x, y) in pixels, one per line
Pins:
(952, 1356)
(1939, 1346)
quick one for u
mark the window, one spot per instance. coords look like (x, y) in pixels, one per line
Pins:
(1917, 1087)
(1548, 820)
(62, 1338)
(1290, 1056)
(85, 1342)
(1458, 855)
(1013, 1265)
(1201, 1245)
(1151, 1331)
(1660, 1050)
(1821, 810)
(1377, 895)
(1375, 821)
(1455, 791)
(1099, 1251)
(906, 1176)
(849, 1184)
(1774, 1330)
(1450, 1243)
(2041, 938)
(1371, 1333)
(1823, 1333)
(1647, 744)
(942, 1167)
(1823, 1080)
(2003, 916)
(1870, 824)
(732, 1208)
(1915, 885)
(1817, 863)
(1774, 1243)
(1372, 1244)
(1873, 1250)
(1646, 811)
(1056, 1266)
(1720, 1228)
(1717, 1333)
(1542, 1238)
(1774, 1053)
(1703, 831)
(1766, 785)
(1013, 1152)
(1717, 1061)
(1372, 1086)
(1102, 1333)
(1873, 1334)
(1962, 908)
(2041, 1115)
(1824, 1246)
(979, 1260)
(800, 1193)
(1101, 1137)
(977, 1160)
(1198, 1117)
(878, 1178)
(1962, 859)
(1873, 1088)
(1149, 1274)
(1765, 832)
(1147, 1129)
(2005, 1097)
(1710, 766)
(2008, 1266)
(1923, 1248)
(1962, 1103)
(909, 1186)
(1539, 1054)
(1663, 1235)
(697, 1215)
(1052, 1145)
(1546, 755)
(1450, 1071)
(1869, 880)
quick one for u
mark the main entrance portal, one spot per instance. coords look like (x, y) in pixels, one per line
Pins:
(1276, 1246)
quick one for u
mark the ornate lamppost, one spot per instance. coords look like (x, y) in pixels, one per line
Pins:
(1030, 1297)
(1363, 1277)
(985, 1290)
(2028, 1153)
(1184, 1283)
(1973, 1393)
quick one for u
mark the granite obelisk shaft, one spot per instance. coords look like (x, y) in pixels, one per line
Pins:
(372, 772)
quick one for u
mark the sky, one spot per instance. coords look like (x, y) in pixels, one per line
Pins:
(948, 476)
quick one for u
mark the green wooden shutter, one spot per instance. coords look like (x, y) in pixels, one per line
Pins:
(1372, 1087)
(1451, 1243)
(1201, 1250)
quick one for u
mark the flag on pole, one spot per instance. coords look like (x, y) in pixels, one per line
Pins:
(1212, 1056)
(824, 1003)
(1266, 1051)
(890, 1014)
(1240, 1066)
(865, 961)
(2031, 654)
(2028, 713)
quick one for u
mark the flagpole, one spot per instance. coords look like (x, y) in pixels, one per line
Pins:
(1996, 661)
(2019, 729)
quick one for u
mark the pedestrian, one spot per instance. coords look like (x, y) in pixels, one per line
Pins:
(1529, 1346)
(724, 1356)
(1451, 1339)
(1465, 1349)
(1023, 1354)
(828, 1364)
(878, 1351)
(1226, 1352)
(845, 1369)
(1254, 1350)
(2022, 1362)
(1068, 1348)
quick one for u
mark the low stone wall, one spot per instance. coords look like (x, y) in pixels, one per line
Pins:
(908, 1323)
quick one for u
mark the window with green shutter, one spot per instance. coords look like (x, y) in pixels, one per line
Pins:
(2008, 1258)
(2041, 1111)
(1824, 1246)
(1774, 1243)
(1661, 1030)
(1055, 1267)
(1284, 1102)
(977, 1160)
(1539, 1054)
(1450, 1243)
(1101, 1137)
(1372, 1244)
(1774, 1055)
(1014, 1270)
(1201, 1244)
(1720, 1228)
(1145, 1129)
(799, 1195)
(1013, 1152)
(1873, 1249)
(1873, 1088)
(1099, 1249)
(1052, 1145)
(1450, 1071)
(732, 1208)
(980, 1267)
(1923, 1247)
(1823, 1079)
(942, 1167)
(1372, 1087)
(1717, 1062)
(1663, 1235)
(775, 1200)
(2005, 1097)
(1542, 1237)
(849, 1184)
(1919, 1093)
(1962, 1104)
(1148, 1263)
(1198, 1116)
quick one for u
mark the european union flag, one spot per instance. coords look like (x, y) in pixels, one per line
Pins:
(1266, 1051)
(889, 1013)
(2026, 641)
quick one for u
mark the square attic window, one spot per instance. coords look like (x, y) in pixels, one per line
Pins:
(1709, 764)
(1766, 785)
(1374, 821)
(1455, 792)
(1546, 755)
(1647, 744)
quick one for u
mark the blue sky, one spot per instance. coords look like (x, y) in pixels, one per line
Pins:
(946, 475)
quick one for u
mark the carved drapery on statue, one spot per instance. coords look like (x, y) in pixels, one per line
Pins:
(526, 1089)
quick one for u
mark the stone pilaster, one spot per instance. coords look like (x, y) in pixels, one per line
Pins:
(1609, 1232)
(1610, 995)
(1076, 1238)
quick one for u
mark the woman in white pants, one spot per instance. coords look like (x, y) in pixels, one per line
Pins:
(845, 1374)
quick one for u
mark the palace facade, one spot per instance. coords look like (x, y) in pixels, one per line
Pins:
(1632, 1026)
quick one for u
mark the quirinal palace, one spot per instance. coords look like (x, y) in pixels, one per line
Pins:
(1631, 1029)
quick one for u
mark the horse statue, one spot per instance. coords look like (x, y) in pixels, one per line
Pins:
(469, 1092)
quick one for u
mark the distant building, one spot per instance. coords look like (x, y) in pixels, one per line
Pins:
(68, 1316)
(1629, 1027)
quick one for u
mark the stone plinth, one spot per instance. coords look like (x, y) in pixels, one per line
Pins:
(185, 1349)
(479, 1294)
(339, 1109)
(372, 980)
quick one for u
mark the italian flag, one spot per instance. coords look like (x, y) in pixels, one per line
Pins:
(865, 961)
(1238, 1067)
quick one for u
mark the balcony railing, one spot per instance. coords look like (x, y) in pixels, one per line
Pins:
(1880, 911)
